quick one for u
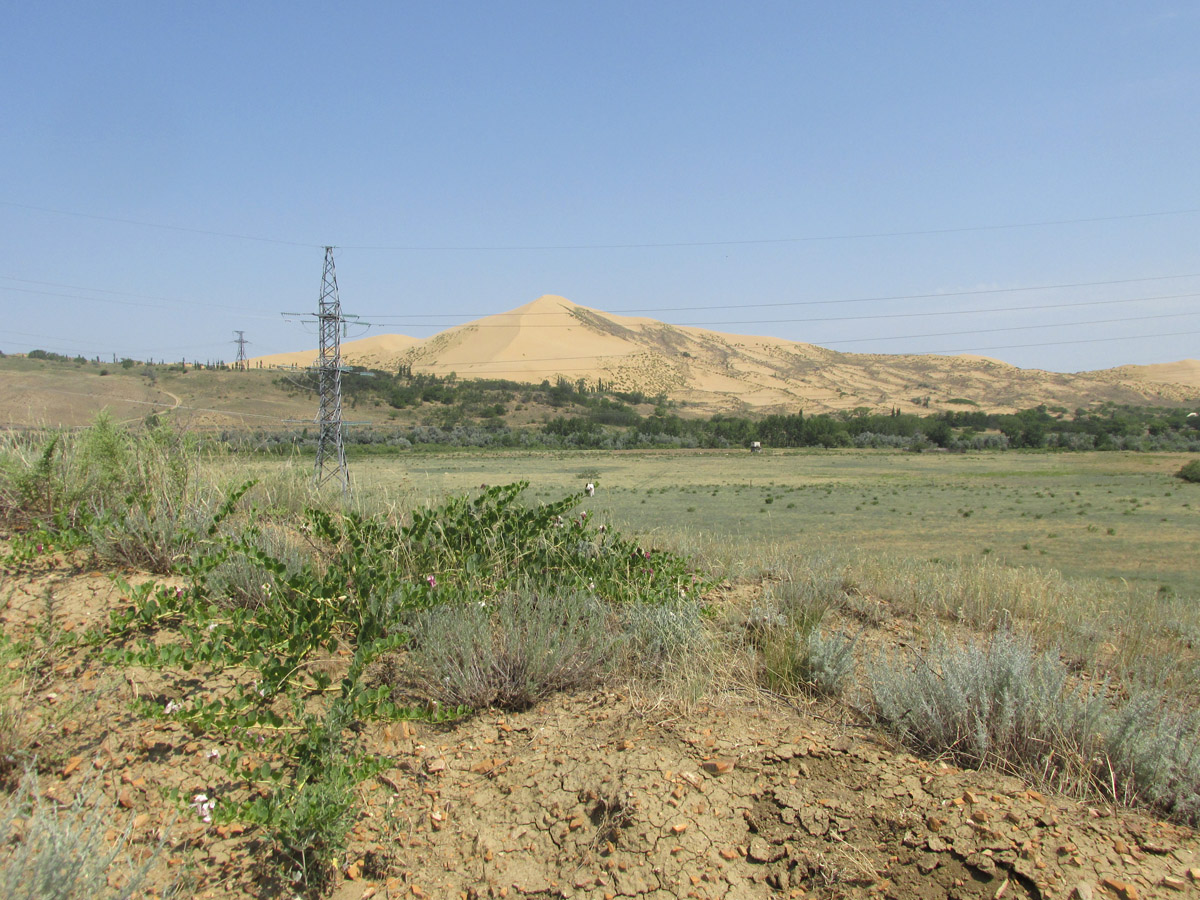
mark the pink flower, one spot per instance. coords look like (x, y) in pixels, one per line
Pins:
(432, 581)
(204, 806)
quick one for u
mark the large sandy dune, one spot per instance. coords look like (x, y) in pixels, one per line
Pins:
(717, 372)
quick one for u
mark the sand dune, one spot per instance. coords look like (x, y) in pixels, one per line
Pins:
(717, 372)
(1185, 372)
(369, 351)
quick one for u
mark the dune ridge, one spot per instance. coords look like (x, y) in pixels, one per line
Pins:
(552, 337)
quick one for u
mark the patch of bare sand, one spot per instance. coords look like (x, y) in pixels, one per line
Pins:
(531, 342)
(1185, 372)
(377, 351)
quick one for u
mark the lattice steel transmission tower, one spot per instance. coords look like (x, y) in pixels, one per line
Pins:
(240, 340)
(331, 447)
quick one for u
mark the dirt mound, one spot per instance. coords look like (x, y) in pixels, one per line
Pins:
(596, 795)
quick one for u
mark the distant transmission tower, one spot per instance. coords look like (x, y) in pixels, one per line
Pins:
(331, 448)
(240, 340)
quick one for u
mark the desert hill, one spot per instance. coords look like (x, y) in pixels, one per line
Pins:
(375, 352)
(717, 372)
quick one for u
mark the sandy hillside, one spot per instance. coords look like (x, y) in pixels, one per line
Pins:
(377, 351)
(1184, 372)
(718, 372)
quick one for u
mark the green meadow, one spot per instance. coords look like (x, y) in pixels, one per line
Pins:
(1100, 515)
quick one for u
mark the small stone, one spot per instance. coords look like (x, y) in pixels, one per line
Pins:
(983, 864)
(1121, 889)
(679, 827)
(1174, 882)
(435, 765)
(72, 764)
(125, 799)
(729, 853)
(718, 766)
(760, 851)
(575, 824)
(927, 863)
(1082, 891)
(353, 872)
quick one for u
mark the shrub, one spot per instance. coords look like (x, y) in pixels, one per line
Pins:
(796, 661)
(512, 651)
(241, 578)
(660, 636)
(996, 704)
(795, 655)
(310, 828)
(1190, 471)
(1154, 755)
(52, 852)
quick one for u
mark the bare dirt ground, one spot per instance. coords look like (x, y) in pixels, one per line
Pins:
(596, 795)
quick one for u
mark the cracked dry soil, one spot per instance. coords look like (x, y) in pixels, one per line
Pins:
(592, 795)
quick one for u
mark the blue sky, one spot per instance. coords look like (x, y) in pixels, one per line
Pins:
(1018, 180)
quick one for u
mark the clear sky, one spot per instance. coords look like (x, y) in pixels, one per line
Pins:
(1017, 179)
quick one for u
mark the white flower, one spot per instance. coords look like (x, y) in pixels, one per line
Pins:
(172, 707)
(214, 753)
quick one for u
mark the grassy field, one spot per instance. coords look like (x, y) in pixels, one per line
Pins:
(1094, 515)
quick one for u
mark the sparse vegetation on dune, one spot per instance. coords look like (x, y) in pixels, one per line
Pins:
(288, 638)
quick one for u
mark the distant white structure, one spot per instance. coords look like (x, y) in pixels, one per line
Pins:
(590, 489)
(756, 446)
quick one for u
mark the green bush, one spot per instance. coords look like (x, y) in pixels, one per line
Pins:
(1190, 471)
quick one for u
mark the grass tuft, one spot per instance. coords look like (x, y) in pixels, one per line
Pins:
(998, 703)
(512, 651)
(54, 852)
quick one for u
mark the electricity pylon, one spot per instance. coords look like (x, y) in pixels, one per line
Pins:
(331, 448)
(240, 340)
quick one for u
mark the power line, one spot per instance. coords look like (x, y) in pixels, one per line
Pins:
(616, 359)
(165, 301)
(778, 240)
(909, 315)
(936, 295)
(158, 225)
(1126, 337)
(904, 337)
(625, 245)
